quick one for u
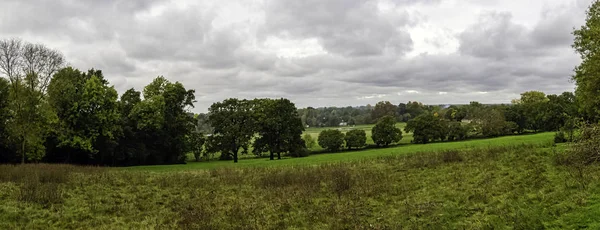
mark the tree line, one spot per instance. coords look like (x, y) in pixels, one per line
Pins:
(50, 112)
(361, 115)
(53, 113)
(534, 111)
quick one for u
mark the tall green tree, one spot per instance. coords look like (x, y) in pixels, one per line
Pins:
(385, 131)
(356, 138)
(88, 116)
(234, 124)
(382, 109)
(516, 113)
(165, 121)
(196, 142)
(31, 120)
(278, 125)
(131, 149)
(587, 74)
(29, 68)
(415, 109)
(331, 139)
(557, 110)
(6, 154)
(534, 104)
(426, 128)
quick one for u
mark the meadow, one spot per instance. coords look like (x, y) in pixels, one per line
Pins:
(542, 139)
(503, 183)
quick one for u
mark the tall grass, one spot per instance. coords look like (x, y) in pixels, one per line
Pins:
(510, 187)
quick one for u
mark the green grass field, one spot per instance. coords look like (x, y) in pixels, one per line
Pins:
(481, 184)
(544, 139)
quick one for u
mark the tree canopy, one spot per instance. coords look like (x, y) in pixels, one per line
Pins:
(385, 131)
(587, 74)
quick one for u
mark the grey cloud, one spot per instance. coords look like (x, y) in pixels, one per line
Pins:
(497, 36)
(365, 50)
(348, 28)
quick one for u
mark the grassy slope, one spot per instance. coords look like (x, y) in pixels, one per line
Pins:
(490, 188)
(543, 138)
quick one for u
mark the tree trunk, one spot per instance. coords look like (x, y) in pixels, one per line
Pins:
(235, 157)
(271, 156)
(278, 155)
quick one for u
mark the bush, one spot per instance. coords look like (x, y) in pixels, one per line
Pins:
(300, 152)
(586, 150)
(559, 137)
(331, 139)
(456, 131)
(309, 141)
(510, 127)
(385, 132)
(356, 138)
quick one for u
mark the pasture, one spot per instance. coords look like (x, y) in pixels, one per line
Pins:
(503, 183)
(541, 139)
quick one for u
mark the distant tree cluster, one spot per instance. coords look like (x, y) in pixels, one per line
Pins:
(384, 133)
(534, 112)
(334, 117)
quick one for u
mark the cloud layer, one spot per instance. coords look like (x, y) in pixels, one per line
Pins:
(317, 53)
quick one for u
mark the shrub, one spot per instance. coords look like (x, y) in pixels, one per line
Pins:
(331, 139)
(510, 127)
(456, 131)
(559, 137)
(41, 193)
(451, 156)
(300, 152)
(586, 150)
(356, 138)
(309, 141)
(341, 179)
(385, 132)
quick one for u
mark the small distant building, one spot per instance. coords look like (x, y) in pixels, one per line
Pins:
(343, 123)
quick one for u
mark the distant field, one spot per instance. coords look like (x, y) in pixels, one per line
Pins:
(542, 139)
(314, 132)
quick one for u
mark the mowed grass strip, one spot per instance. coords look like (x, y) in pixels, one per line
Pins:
(541, 139)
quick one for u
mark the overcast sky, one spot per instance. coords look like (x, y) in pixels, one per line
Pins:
(314, 52)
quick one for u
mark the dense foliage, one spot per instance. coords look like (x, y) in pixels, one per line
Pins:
(385, 132)
(355, 138)
(331, 139)
(279, 127)
(426, 128)
(587, 74)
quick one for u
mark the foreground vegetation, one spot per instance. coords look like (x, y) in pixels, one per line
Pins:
(521, 187)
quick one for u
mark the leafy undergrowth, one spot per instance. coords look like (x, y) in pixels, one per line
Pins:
(517, 187)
